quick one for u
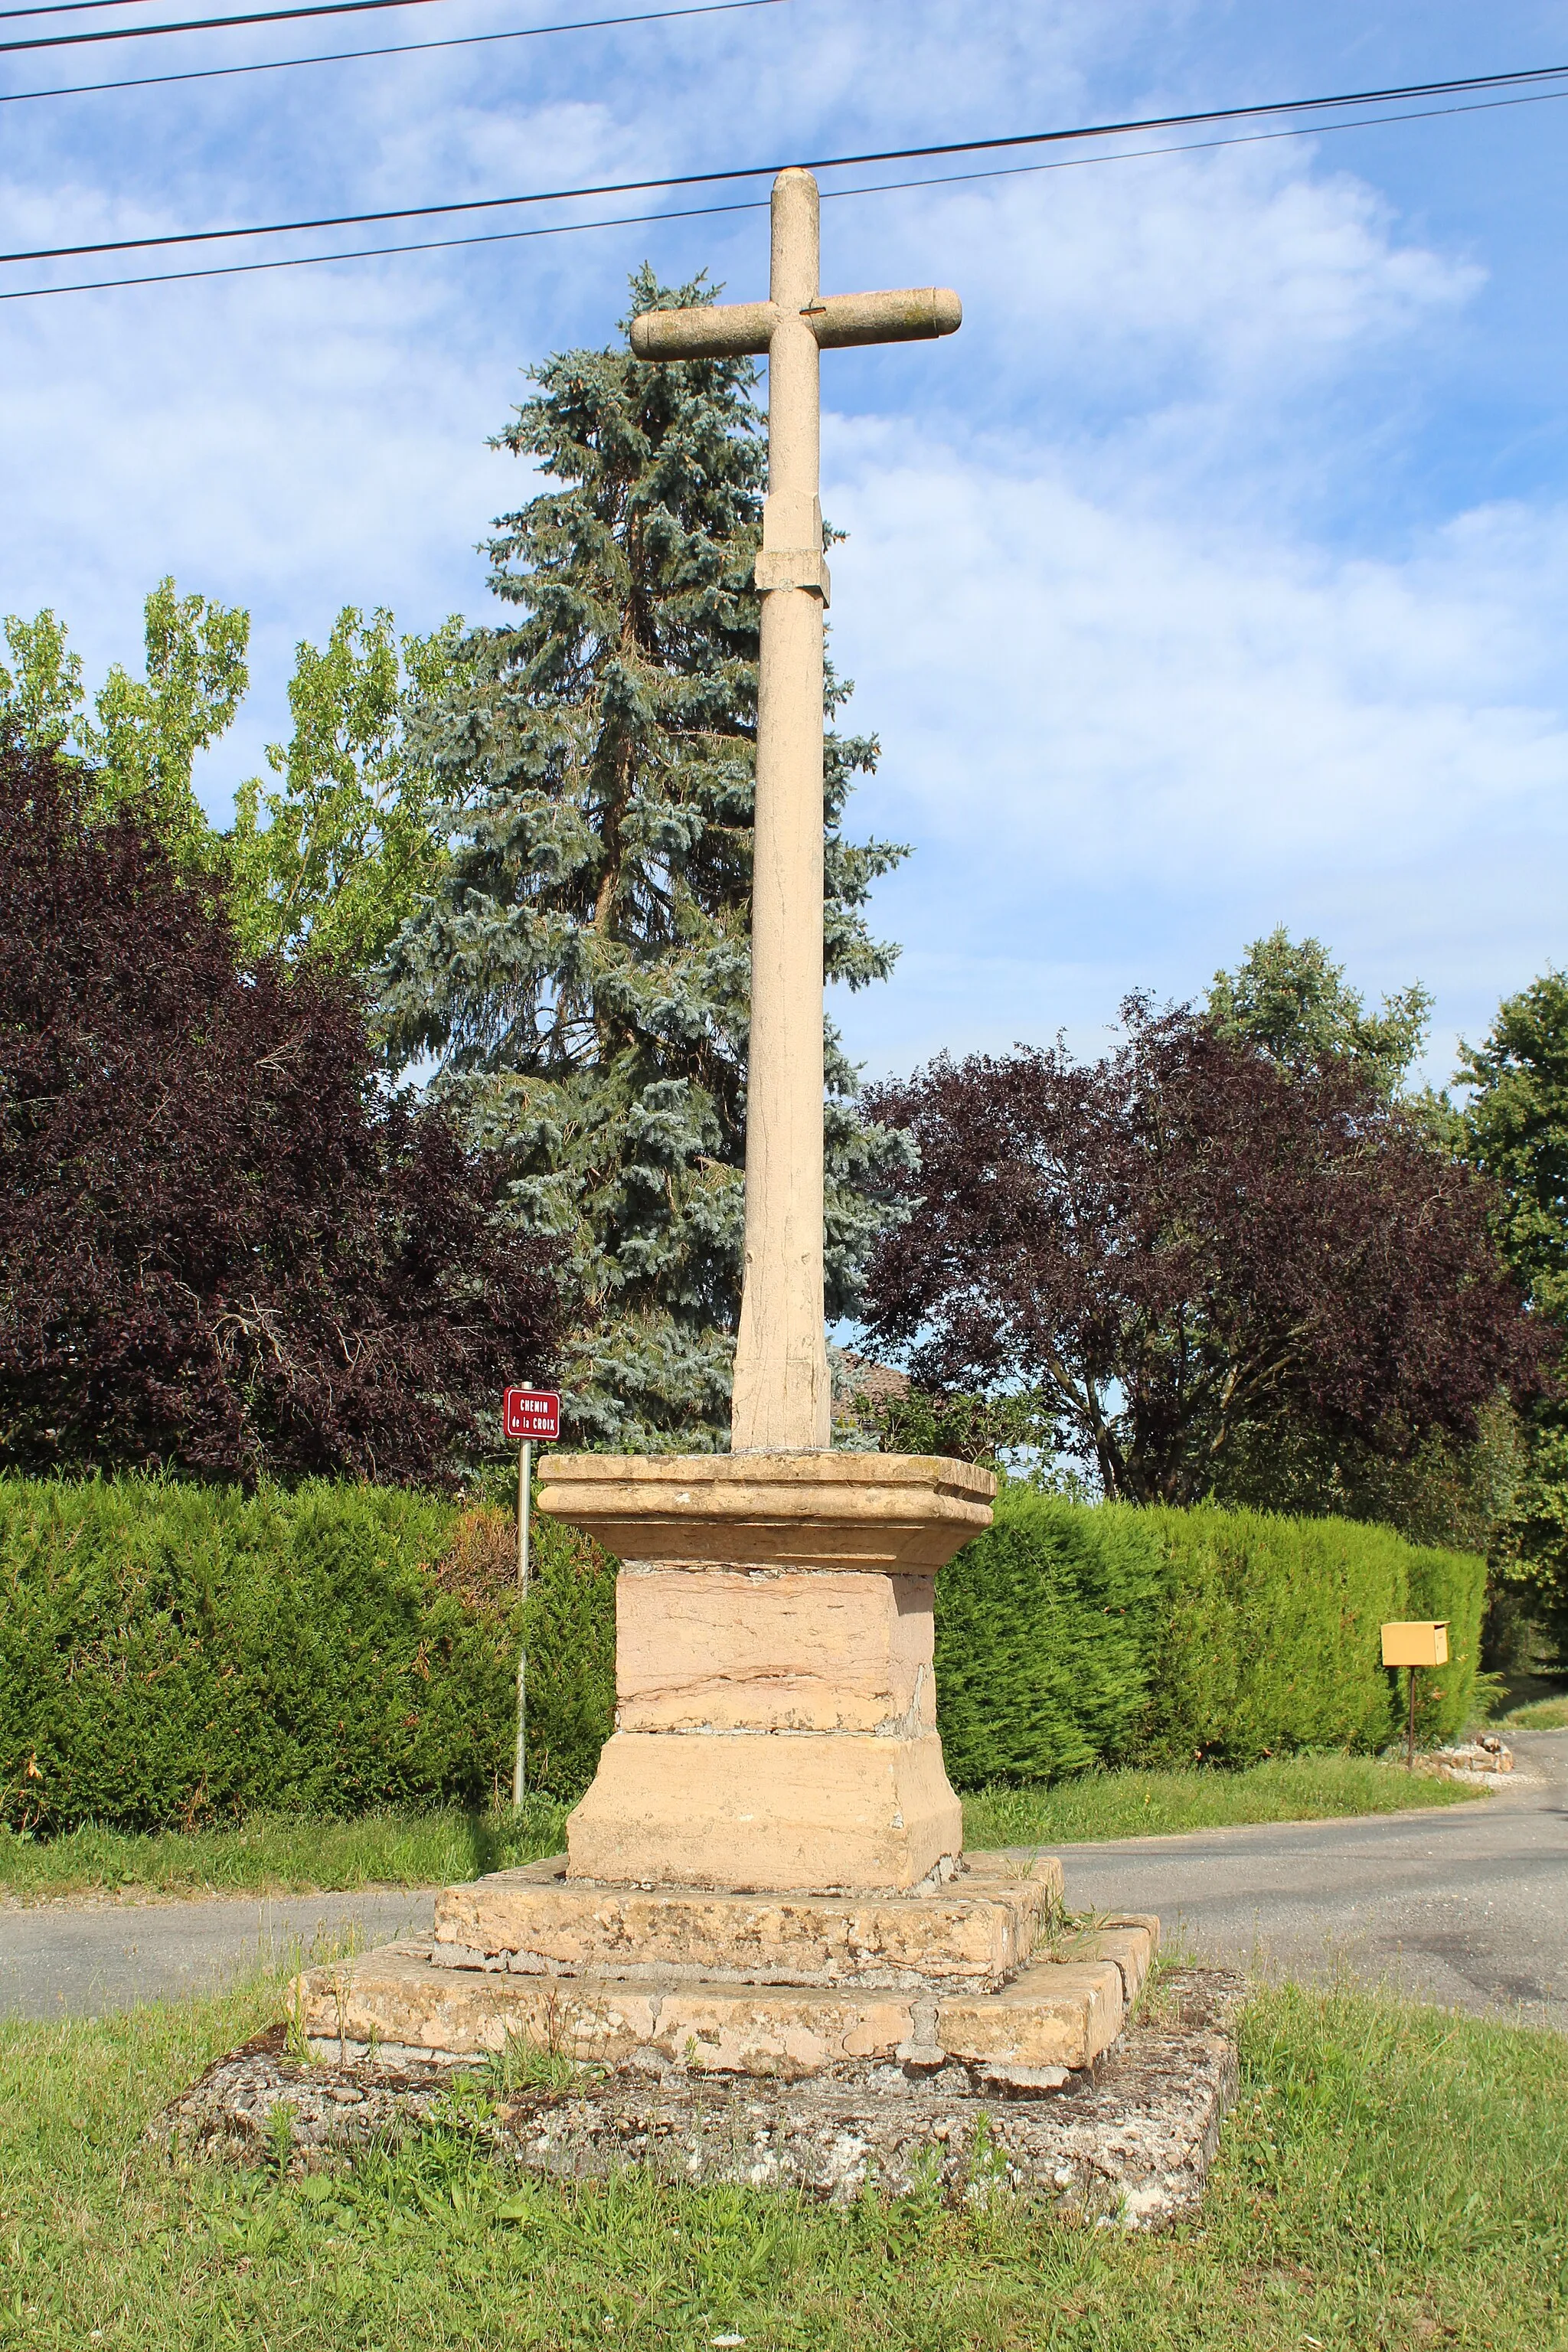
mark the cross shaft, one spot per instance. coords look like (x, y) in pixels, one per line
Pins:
(782, 1398)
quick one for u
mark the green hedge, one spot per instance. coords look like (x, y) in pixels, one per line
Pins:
(172, 1653)
(1268, 1637)
(1043, 1628)
(1067, 1636)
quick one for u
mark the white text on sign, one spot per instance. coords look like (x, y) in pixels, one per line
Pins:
(532, 1413)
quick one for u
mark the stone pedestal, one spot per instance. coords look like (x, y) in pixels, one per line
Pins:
(775, 1722)
(766, 1878)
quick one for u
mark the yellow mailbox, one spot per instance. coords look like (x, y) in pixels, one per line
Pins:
(1416, 1644)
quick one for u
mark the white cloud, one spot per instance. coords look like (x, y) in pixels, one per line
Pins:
(1155, 658)
(1198, 732)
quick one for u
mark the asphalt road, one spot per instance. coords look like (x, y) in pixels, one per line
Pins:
(1468, 1908)
(73, 1959)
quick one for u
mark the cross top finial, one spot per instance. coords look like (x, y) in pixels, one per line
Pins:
(782, 1398)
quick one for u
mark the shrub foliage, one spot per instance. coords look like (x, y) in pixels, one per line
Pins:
(173, 1654)
(1068, 1636)
(1043, 1628)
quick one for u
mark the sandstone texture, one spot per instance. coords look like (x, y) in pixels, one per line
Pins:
(972, 1930)
(1128, 2139)
(884, 1512)
(775, 1724)
(758, 1809)
(720, 1649)
(1063, 2010)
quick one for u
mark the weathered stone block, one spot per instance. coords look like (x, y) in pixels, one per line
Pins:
(766, 1811)
(720, 1649)
(393, 1999)
(1052, 2014)
(1131, 1943)
(878, 1511)
(977, 1930)
(773, 2035)
(777, 1730)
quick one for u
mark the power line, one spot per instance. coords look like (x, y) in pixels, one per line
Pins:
(69, 8)
(766, 171)
(391, 49)
(202, 24)
(760, 204)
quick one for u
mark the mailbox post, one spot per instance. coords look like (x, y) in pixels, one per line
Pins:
(1423, 1642)
(528, 1413)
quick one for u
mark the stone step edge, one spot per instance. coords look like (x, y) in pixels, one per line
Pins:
(976, 1930)
(1055, 2015)
(993, 1870)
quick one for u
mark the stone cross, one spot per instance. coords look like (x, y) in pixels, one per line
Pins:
(782, 1398)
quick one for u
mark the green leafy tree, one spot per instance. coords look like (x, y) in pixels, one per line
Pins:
(1516, 1128)
(147, 730)
(336, 854)
(1290, 998)
(41, 694)
(581, 968)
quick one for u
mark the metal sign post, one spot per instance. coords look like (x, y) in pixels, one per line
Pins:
(530, 1413)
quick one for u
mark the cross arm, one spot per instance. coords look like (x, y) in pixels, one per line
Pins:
(731, 329)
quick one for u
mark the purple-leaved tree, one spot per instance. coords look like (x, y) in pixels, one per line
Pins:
(1185, 1240)
(223, 1248)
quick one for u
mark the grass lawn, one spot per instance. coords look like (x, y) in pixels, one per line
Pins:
(276, 1854)
(1154, 1804)
(1392, 2178)
(1540, 1714)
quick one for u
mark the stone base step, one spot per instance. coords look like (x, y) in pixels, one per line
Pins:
(1058, 2015)
(1128, 2141)
(972, 1931)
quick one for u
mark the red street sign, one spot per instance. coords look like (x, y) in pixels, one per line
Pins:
(532, 1413)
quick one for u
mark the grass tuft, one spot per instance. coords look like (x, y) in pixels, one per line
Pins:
(1540, 1714)
(281, 1854)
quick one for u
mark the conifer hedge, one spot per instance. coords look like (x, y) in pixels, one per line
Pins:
(174, 1654)
(1044, 1626)
(1067, 1636)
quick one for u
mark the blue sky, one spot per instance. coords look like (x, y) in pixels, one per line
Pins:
(1214, 575)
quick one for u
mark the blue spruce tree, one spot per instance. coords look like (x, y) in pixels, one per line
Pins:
(580, 971)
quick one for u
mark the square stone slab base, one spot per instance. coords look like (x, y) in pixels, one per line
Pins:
(969, 1930)
(1129, 2141)
(1058, 2014)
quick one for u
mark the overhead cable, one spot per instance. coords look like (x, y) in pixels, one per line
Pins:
(768, 171)
(760, 204)
(71, 8)
(390, 49)
(203, 24)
